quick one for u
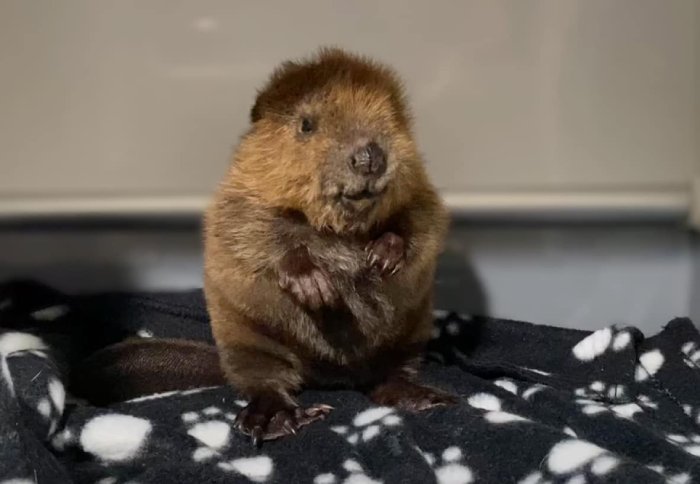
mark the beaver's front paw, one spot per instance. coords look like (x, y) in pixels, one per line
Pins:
(310, 285)
(386, 253)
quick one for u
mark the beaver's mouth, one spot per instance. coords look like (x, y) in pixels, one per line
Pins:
(364, 194)
(355, 196)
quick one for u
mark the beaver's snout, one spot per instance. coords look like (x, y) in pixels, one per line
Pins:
(368, 160)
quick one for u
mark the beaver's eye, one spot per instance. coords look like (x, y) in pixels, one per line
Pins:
(307, 126)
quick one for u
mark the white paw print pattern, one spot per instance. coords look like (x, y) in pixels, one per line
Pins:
(598, 342)
(257, 469)
(62, 439)
(115, 437)
(50, 313)
(144, 333)
(599, 389)
(451, 468)
(353, 472)
(691, 354)
(211, 428)
(51, 407)
(671, 477)
(523, 390)
(368, 424)
(649, 363)
(571, 459)
(492, 407)
(688, 442)
(13, 342)
(624, 410)
(645, 402)
(595, 407)
(692, 412)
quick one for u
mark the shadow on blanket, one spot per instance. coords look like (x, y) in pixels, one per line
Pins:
(537, 404)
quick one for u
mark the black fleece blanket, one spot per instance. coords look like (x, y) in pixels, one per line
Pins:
(537, 405)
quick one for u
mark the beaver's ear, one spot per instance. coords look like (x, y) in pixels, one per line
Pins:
(281, 90)
(256, 111)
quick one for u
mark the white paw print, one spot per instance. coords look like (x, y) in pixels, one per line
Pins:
(598, 389)
(571, 459)
(523, 390)
(51, 407)
(598, 342)
(144, 333)
(671, 477)
(50, 313)
(354, 474)
(646, 402)
(115, 437)
(492, 406)
(63, 439)
(451, 468)
(256, 469)
(688, 442)
(591, 404)
(211, 428)
(691, 354)
(368, 424)
(649, 363)
(692, 412)
(595, 407)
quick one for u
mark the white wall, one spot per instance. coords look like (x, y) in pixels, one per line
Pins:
(107, 102)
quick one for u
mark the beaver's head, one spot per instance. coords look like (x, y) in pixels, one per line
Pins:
(331, 138)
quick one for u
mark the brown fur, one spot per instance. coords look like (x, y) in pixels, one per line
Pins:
(280, 215)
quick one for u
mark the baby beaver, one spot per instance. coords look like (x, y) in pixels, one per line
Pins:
(321, 246)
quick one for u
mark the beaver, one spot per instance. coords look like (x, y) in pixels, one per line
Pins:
(321, 244)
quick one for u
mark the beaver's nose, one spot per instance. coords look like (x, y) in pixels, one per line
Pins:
(369, 160)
